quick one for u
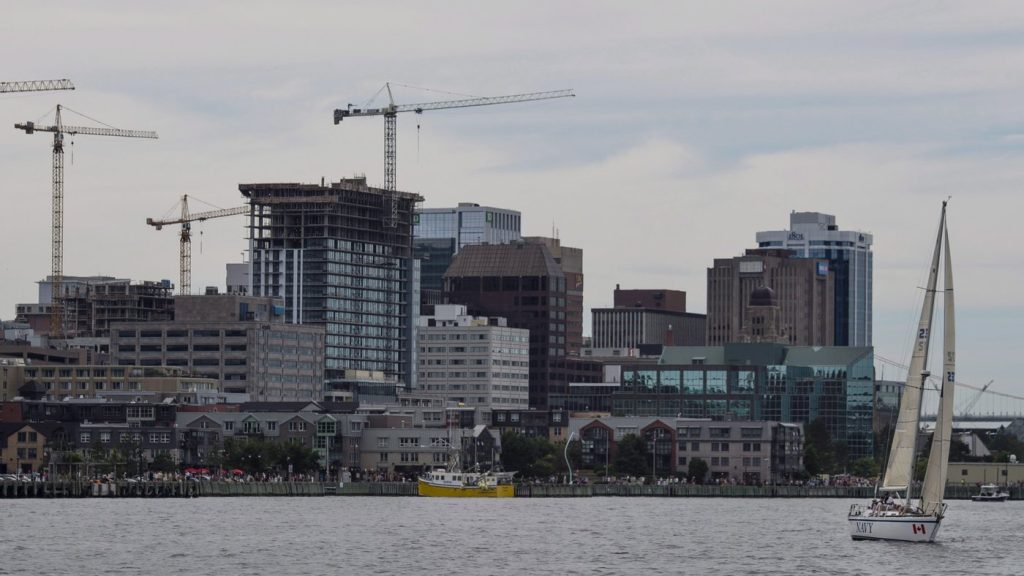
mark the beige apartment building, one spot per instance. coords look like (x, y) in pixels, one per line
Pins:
(155, 383)
(800, 299)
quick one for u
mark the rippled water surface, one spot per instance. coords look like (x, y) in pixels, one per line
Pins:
(352, 535)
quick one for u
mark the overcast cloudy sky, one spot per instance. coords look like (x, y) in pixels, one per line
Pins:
(696, 124)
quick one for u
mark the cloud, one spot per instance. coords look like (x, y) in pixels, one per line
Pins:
(696, 124)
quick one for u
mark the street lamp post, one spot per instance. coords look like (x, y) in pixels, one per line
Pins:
(566, 454)
(654, 457)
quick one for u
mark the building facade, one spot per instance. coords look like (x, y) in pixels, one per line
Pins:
(816, 235)
(328, 251)
(92, 303)
(647, 317)
(803, 289)
(125, 382)
(478, 361)
(570, 260)
(439, 234)
(241, 341)
(743, 382)
(748, 452)
(522, 283)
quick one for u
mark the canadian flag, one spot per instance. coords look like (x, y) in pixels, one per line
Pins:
(918, 528)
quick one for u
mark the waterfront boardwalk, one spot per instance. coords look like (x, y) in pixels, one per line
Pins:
(191, 489)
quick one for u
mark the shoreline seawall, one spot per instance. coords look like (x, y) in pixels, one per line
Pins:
(188, 489)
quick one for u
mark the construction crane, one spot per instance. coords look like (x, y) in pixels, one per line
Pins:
(966, 411)
(36, 86)
(185, 243)
(59, 130)
(391, 111)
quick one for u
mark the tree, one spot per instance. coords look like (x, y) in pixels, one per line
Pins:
(865, 468)
(1002, 443)
(531, 457)
(162, 462)
(697, 470)
(819, 451)
(959, 451)
(631, 456)
(575, 456)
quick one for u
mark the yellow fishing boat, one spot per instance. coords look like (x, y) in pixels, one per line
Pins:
(457, 484)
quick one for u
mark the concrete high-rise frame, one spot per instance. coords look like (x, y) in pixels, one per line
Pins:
(327, 251)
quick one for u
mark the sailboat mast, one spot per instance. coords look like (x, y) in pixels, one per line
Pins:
(938, 457)
(900, 467)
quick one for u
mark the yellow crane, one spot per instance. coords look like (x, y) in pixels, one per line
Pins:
(185, 239)
(391, 111)
(36, 85)
(59, 130)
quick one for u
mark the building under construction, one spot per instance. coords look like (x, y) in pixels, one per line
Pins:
(330, 253)
(91, 303)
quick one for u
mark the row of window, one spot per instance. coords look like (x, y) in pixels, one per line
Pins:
(205, 333)
(125, 437)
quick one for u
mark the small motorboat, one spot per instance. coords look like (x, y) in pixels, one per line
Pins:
(991, 493)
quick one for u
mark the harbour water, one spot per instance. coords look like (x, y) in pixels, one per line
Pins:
(372, 535)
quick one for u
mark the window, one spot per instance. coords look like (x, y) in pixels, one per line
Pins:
(271, 425)
(105, 437)
(325, 427)
(22, 436)
(514, 417)
(383, 456)
(695, 446)
(165, 438)
(85, 437)
(719, 432)
(689, 432)
(410, 442)
(229, 425)
(382, 442)
(154, 438)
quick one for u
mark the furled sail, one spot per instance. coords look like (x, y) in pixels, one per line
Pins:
(938, 457)
(900, 467)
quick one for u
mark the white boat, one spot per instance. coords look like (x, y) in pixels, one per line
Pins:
(991, 493)
(894, 514)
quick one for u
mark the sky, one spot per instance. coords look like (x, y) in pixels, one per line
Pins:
(695, 125)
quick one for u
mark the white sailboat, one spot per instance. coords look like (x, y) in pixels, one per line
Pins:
(894, 516)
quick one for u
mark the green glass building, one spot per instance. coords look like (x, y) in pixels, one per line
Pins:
(748, 382)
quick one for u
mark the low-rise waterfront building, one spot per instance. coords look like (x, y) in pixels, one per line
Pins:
(750, 452)
(332, 431)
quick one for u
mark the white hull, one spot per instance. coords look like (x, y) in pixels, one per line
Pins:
(997, 498)
(900, 528)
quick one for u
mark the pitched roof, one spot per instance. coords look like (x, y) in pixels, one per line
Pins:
(519, 259)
